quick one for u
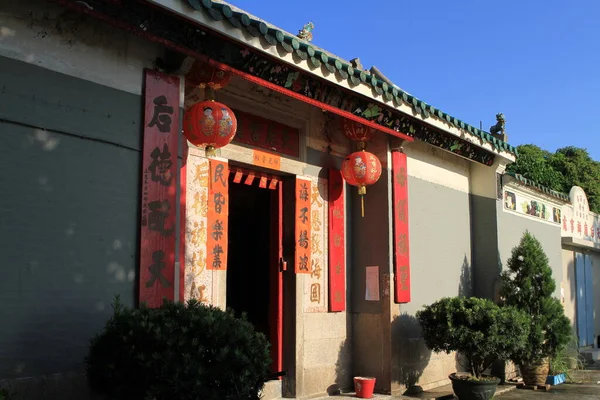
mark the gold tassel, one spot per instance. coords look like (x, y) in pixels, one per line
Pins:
(362, 190)
(362, 206)
(211, 151)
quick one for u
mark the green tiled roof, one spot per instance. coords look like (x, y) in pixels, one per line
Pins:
(317, 57)
(538, 187)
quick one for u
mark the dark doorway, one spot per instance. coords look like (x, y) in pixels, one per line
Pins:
(249, 253)
(254, 276)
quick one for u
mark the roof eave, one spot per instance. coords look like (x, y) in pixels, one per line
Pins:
(182, 9)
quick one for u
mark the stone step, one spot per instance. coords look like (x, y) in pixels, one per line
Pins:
(590, 355)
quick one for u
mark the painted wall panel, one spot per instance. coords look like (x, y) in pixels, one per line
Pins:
(440, 251)
(69, 222)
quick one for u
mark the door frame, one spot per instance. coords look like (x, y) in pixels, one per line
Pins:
(277, 266)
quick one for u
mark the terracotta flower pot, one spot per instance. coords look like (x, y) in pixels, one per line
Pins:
(535, 373)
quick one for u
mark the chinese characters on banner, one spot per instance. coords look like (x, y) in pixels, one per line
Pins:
(266, 160)
(303, 227)
(159, 185)
(198, 281)
(577, 219)
(267, 134)
(401, 234)
(337, 261)
(218, 212)
(316, 284)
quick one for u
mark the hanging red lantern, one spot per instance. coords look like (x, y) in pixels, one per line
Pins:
(209, 124)
(204, 75)
(357, 132)
(361, 169)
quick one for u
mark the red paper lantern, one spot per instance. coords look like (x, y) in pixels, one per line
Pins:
(203, 75)
(357, 132)
(209, 124)
(361, 169)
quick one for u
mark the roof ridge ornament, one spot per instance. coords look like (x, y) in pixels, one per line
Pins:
(306, 32)
(498, 130)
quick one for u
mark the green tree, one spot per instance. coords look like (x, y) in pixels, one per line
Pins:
(528, 286)
(579, 169)
(534, 163)
(567, 167)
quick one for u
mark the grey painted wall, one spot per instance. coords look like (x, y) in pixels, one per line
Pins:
(511, 228)
(486, 260)
(440, 258)
(440, 243)
(68, 215)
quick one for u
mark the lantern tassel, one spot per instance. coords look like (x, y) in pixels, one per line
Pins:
(210, 151)
(362, 206)
(362, 190)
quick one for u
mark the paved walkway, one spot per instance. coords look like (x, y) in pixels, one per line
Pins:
(586, 388)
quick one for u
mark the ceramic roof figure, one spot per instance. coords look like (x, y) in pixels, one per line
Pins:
(306, 32)
(498, 129)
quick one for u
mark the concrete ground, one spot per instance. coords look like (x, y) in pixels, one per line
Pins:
(586, 388)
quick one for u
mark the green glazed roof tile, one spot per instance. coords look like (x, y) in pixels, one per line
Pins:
(316, 56)
(544, 189)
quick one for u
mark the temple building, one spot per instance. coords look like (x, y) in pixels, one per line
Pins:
(189, 150)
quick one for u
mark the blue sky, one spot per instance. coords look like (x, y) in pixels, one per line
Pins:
(536, 61)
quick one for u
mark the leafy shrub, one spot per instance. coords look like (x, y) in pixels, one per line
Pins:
(528, 285)
(477, 328)
(178, 351)
(567, 359)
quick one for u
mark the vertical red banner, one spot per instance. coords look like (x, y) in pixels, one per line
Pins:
(159, 186)
(218, 213)
(303, 230)
(337, 248)
(182, 219)
(401, 234)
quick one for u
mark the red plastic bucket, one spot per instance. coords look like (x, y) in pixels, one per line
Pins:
(364, 387)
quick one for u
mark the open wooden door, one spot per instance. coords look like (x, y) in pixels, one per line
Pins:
(278, 265)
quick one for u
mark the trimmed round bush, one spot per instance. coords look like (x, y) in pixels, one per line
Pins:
(476, 328)
(177, 351)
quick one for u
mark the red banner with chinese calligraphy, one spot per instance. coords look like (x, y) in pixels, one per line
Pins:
(303, 229)
(337, 250)
(218, 213)
(401, 234)
(264, 133)
(159, 185)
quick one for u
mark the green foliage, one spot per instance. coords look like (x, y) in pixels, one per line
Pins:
(567, 359)
(528, 285)
(567, 167)
(534, 163)
(4, 395)
(178, 351)
(477, 328)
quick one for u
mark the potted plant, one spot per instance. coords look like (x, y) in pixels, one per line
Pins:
(178, 351)
(563, 362)
(528, 285)
(478, 330)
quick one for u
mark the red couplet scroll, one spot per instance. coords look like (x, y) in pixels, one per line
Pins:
(159, 185)
(337, 249)
(401, 234)
(302, 222)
